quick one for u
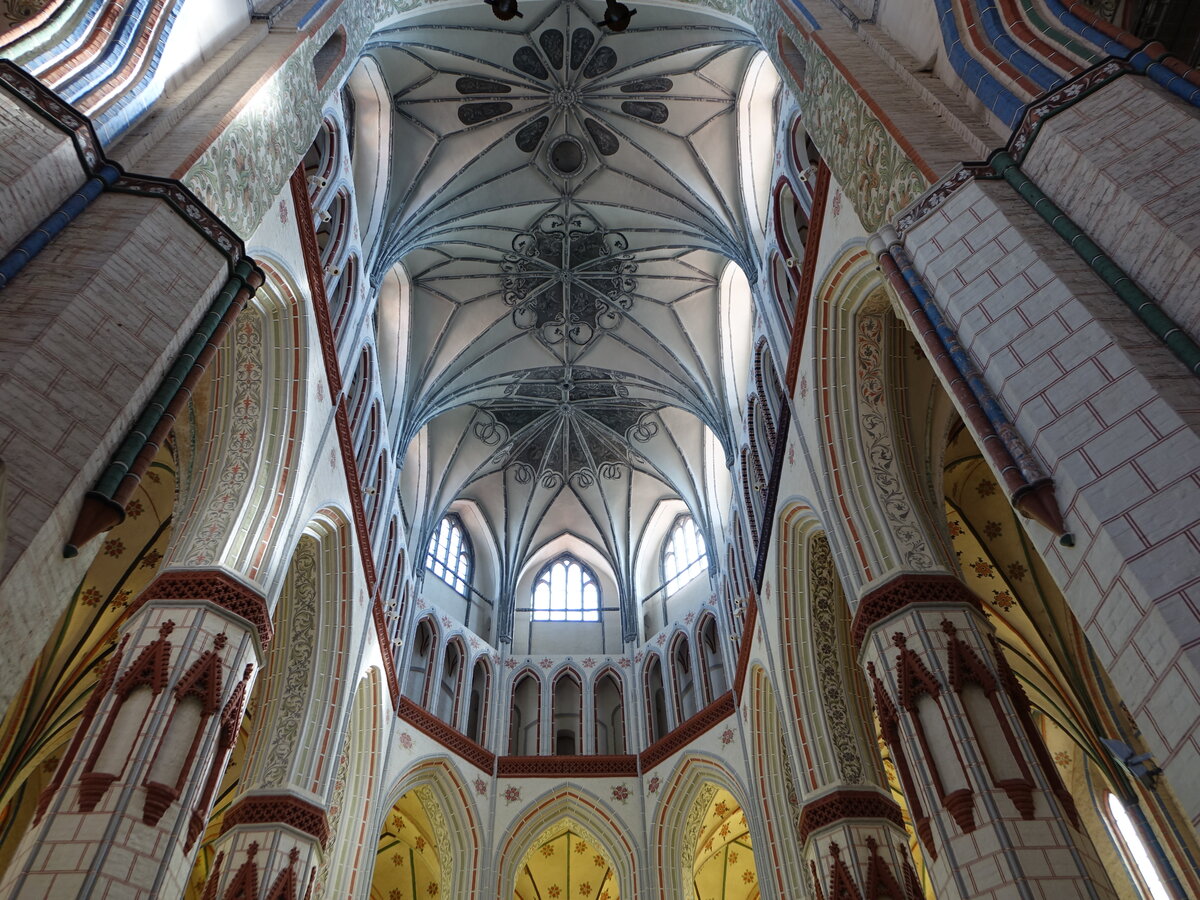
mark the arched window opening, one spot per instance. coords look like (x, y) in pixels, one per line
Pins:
(784, 288)
(769, 386)
(762, 430)
(566, 591)
(419, 661)
(477, 708)
(329, 56)
(805, 156)
(656, 697)
(712, 663)
(1134, 852)
(321, 160)
(360, 388)
(753, 483)
(568, 703)
(684, 555)
(341, 295)
(523, 720)
(684, 677)
(449, 556)
(448, 682)
(610, 715)
(333, 231)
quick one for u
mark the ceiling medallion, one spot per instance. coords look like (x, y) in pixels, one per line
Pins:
(571, 73)
(568, 279)
(566, 155)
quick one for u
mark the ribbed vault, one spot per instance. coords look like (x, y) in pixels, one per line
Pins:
(562, 203)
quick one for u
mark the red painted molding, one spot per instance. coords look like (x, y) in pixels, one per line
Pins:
(743, 661)
(808, 273)
(316, 283)
(278, 809)
(215, 587)
(717, 711)
(448, 736)
(905, 590)
(389, 661)
(847, 804)
(316, 279)
(622, 766)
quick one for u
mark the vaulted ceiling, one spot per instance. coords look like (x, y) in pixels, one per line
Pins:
(563, 203)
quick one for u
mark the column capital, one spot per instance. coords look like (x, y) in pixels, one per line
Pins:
(278, 809)
(844, 803)
(217, 587)
(905, 590)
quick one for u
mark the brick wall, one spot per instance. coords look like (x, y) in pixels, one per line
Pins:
(89, 329)
(1116, 420)
(39, 168)
(1124, 163)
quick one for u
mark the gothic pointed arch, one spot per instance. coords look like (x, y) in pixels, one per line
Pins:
(825, 691)
(305, 667)
(556, 812)
(236, 491)
(358, 771)
(883, 518)
(685, 809)
(775, 784)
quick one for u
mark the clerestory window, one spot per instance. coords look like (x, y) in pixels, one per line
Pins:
(684, 555)
(449, 556)
(566, 591)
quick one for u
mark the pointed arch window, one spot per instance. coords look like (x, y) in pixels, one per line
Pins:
(684, 555)
(449, 556)
(566, 591)
(1134, 852)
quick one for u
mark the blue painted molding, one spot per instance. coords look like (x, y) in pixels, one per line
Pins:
(1106, 44)
(37, 240)
(102, 174)
(1029, 65)
(803, 10)
(979, 81)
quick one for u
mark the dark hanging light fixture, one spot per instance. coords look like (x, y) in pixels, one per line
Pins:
(616, 16)
(504, 9)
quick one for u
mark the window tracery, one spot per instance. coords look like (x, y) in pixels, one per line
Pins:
(684, 555)
(566, 591)
(449, 556)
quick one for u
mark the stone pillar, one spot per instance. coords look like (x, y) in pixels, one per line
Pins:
(154, 739)
(269, 842)
(855, 846)
(992, 815)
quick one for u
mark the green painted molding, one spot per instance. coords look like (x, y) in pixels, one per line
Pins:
(1139, 302)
